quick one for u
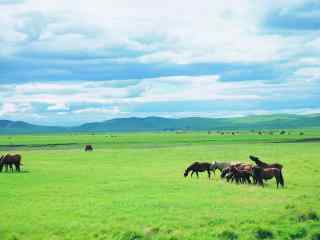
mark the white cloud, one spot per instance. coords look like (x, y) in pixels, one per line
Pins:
(205, 31)
(178, 88)
(113, 111)
(308, 73)
(9, 108)
(58, 106)
(60, 97)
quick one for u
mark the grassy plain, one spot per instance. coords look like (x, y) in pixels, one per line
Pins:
(131, 187)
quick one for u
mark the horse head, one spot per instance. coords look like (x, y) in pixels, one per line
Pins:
(253, 158)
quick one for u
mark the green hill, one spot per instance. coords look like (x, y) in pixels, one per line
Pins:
(133, 124)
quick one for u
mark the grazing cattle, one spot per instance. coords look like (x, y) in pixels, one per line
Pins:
(197, 167)
(261, 174)
(265, 165)
(10, 161)
(88, 147)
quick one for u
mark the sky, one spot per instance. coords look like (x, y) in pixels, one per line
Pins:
(69, 62)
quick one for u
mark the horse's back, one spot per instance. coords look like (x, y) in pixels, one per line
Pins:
(12, 158)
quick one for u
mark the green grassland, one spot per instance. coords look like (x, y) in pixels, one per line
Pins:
(132, 187)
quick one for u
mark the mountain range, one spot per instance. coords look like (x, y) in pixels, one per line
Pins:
(133, 124)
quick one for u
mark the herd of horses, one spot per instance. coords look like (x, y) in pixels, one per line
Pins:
(9, 161)
(231, 171)
(240, 172)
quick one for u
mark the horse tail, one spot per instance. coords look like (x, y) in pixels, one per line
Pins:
(281, 178)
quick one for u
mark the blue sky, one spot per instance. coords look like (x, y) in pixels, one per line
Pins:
(70, 62)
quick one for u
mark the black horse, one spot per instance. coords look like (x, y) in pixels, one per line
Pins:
(260, 174)
(197, 167)
(88, 148)
(10, 161)
(265, 165)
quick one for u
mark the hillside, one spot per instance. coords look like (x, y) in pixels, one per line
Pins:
(20, 127)
(134, 124)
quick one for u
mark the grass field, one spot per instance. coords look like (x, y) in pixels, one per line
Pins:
(132, 187)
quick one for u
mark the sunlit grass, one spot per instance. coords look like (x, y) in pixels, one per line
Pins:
(131, 187)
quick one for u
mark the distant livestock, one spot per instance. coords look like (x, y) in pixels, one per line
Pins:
(8, 161)
(88, 148)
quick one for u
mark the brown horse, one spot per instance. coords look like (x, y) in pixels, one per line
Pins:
(197, 167)
(265, 165)
(240, 172)
(241, 175)
(261, 174)
(10, 161)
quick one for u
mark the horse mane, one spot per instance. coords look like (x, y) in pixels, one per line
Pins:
(258, 161)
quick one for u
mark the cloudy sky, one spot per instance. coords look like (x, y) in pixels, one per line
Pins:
(69, 62)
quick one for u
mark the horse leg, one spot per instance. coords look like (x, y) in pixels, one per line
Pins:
(17, 167)
(248, 179)
(261, 182)
(209, 174)
(278, 180)
(254, 180)
(244, 180)
(232, 178)
(197, 174)
(6, 167)
(192, 173)
(281, 179)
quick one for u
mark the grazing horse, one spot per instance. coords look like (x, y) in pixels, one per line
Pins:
(10, 160)
(261, 174)
(238, 172)
(88, 147)
(197, 167)
(265, 165)
(240, 175)
(226, 171)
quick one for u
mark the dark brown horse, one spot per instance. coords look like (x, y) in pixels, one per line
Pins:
(241, 175)
(10, 161)
(88, 147)
(197, 167)
(261, 174)
(265, 165)
(240, 172)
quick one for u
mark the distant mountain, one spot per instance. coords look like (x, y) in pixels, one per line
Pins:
(20, 127)
(280, 121)
(133, 124)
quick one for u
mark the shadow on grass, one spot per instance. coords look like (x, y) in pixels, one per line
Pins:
(15, 172)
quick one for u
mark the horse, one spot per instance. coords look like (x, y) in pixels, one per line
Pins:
(240, 175)
(221, 165)
(261, 174)
(240, 172)
(10, 160)
(226, 171)
(197, 167)
(88, 147)
(265, 165)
